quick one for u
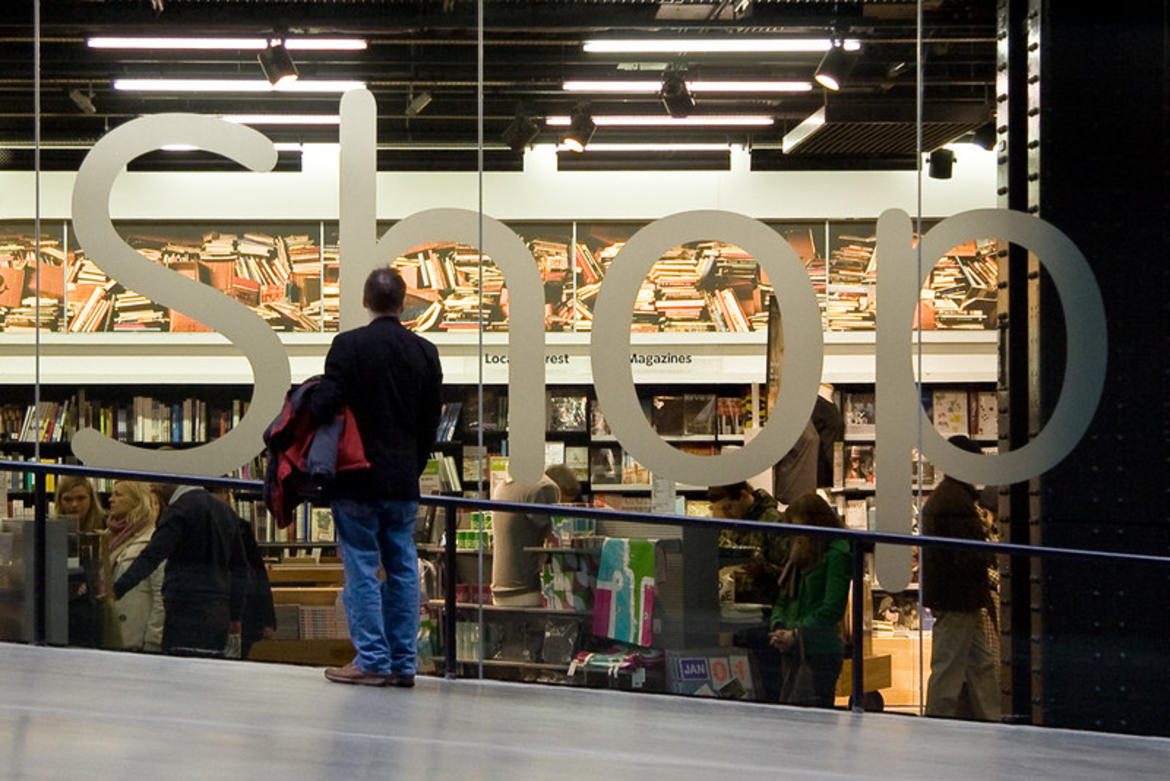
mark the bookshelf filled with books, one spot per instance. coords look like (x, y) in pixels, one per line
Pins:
(272, 268)
(701, 421)
(287, 273)
(698, 419)
(172, 418)
(969, 410)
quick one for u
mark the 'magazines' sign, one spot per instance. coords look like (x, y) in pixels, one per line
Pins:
(900, 417)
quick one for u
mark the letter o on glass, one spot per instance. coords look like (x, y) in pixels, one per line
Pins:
(1086, 356)
(610, 348)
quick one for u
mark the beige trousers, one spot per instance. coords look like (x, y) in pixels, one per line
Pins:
(961, 656)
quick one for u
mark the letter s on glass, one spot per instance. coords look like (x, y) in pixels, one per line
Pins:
(95, 231)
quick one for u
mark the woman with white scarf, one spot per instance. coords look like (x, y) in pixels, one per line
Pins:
(134, 622)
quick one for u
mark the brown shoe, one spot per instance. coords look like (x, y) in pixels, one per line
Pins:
(401, 680)
(351, 673)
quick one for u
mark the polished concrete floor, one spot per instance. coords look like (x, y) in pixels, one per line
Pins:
(87, 715)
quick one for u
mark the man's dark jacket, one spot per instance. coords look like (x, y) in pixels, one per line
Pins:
(199, 538)
(391, 380)
(954, 579)
(830, 426)
(259, 610)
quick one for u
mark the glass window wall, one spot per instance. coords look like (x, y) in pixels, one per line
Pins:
(648, 261)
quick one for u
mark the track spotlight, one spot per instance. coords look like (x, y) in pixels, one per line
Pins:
(941, 161)
(418, 104)
(675, 95)
(522, 130)
(984, 136)
(833, 68)
(83, 101)
(581, 129)
(277, 65)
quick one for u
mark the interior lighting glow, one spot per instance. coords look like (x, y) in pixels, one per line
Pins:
(649, 87)
(658, 120)
(221, 44)
(283, 119)
(280, 147)
(233, 85)
(713, 45)
(649, 148)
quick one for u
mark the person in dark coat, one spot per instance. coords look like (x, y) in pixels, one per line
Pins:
(390, 378)
(957, 587)
(830, 425)
(206, 574)
(796, 473)
(259, 616)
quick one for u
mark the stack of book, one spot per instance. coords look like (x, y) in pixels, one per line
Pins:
(552, 259)
(27, 317)
(93, 313)
(329, 310)
(135, 312)
(851, 302)
(962, 287)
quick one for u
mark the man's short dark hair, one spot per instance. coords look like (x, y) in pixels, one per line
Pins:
(733, 491)
(964, 443)
(567, 482)
(385, 291)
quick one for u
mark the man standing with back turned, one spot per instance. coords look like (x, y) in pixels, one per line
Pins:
(390, 379)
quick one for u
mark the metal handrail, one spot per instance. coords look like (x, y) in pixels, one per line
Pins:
(661, 519)
(862, 540)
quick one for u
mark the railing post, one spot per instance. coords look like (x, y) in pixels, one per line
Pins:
(449, 591)
(40, 542)
(858, 618)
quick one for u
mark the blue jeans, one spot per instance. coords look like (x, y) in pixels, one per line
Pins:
(383, 618)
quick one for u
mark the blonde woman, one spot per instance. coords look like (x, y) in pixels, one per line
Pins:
(134, 622)
(76, 496)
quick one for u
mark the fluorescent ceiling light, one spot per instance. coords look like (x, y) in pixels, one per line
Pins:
(612, 86)
(713, 45)
(233, 85)
(651, 148)
(283, 119)
(324, 44)
(656, 120)
(233, 44)
(750, 86)
(802, 132)
(650, 87)
(280, 147)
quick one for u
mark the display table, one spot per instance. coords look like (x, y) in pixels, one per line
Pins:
(901, 690)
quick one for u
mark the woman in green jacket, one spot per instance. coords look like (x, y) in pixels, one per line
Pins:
(806, 619)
